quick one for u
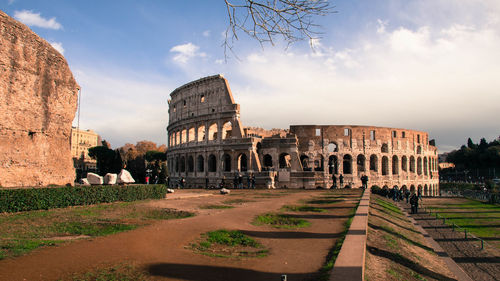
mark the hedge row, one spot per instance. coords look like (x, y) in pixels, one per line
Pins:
(16, 200)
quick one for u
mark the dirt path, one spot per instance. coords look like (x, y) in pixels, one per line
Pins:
(161, 248)
(478, 264)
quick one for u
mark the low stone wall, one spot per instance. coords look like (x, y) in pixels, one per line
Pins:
(350, 262)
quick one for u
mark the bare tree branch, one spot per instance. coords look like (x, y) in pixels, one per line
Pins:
(265, 20)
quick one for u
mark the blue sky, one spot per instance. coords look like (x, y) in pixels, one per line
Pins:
(430, 65)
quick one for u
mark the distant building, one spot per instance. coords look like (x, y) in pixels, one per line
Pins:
(446, 165)
(81, 141)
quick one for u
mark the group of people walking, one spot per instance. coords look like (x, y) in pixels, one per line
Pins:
(364, 181)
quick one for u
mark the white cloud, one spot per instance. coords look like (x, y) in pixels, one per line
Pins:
(123, 107)
(31, 18)
(185, 52)
(206, 33)
(58, 46)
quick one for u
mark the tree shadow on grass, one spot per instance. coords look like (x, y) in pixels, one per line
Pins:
(290, 234)
(397, 258)
(217, 273)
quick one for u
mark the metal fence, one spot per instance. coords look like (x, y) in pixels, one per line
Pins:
(487, 196)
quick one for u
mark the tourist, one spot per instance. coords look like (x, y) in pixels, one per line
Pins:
(252, 181)
(414, 203)
(364, 181)
(235, 181)
(341, 181)
(240, 181)
(334, 179)
(206, 182)
(276, 180)
(407, 195)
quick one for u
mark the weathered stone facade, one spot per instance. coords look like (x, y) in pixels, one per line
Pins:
(207, 142)
(38, 99)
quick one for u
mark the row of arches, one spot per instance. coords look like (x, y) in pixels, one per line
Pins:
(424, 189)
(183, 164)
(419, 165)
(200, 133)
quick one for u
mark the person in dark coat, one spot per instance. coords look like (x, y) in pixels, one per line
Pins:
(341, 181)
(364, 181)
(334, 179)
(414, 203)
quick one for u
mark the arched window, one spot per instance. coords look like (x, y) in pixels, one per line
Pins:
(304, 160)
(176, 164)
(395, 165)
(190, 164)
(242, 162)
(183, 164)
(212, 132)
(177, 138)
(284, 160)
(412, 164)
(226, 162)
(419, 149)
(212, 163)
(404, 164)
(425, 166)
(268, 161)
(385, 148)
(332, 147)
(373, 163)
(201, 133)
(200, 163)
(360, 161)
(227, 130)
(347, 164)
(183, 136)
(385, 166)
(419, 166)
(318, 163)
(333, 165)
(191, 134)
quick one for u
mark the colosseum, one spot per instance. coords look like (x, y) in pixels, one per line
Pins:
(208, 146)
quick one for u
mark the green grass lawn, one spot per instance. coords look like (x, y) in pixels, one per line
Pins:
(224, 243)
(280, 221)
(23, 232)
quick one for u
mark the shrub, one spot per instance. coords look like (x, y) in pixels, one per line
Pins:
(16, 200)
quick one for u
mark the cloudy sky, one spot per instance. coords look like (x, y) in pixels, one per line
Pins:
(425, 65)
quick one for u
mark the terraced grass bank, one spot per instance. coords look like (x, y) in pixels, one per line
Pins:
(396, 250)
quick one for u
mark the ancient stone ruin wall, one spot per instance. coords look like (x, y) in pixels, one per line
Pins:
(207, 146)
(38, 99)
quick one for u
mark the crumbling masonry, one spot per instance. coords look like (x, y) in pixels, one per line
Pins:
(208, 145)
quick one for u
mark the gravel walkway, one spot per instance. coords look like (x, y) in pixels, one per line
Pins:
(480, 265)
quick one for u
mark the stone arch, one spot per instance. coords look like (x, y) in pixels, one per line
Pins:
(182, 163)
(360, 162)
(183, 136)
(212, 163)
(212, 132)
(373, 163)
(419, 188)
(177, 138)
(412, 188)
(268, 161)
(304, 160)
(191, 134)
(285, 160)
(190, 164)
(333, 167)
(412, 164)
(425, 166)
(395, 165)
(226, 162)
(201, 133)
(384, 148)
(242, 162)
(319, 163)
(200, 164)
(176, 161)
(385, 166)
(426, 190)
(333, 147)
(347, 164)
(404, 187)
(419, 166)
(227, 129)
(404, 163)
